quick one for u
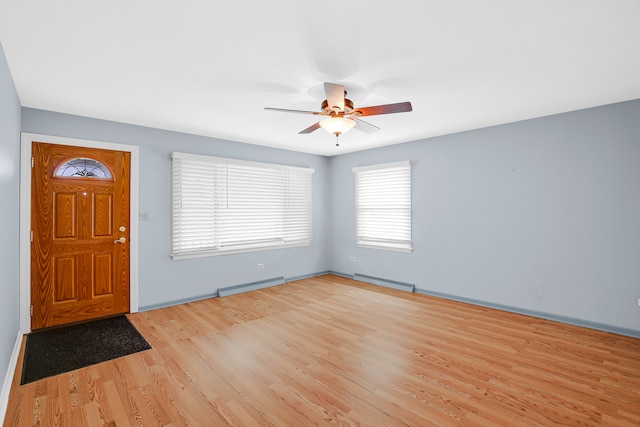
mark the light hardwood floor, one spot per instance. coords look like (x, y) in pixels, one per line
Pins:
(332, 351)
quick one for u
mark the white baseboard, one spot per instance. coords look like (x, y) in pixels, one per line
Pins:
(8, 379)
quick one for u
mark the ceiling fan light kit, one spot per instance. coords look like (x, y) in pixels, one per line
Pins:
(341, 116)
(337, 125)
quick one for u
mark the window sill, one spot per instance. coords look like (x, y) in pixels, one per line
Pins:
(385, 247)
(218, 252)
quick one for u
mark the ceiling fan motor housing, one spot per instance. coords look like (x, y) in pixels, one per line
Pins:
(348, 107)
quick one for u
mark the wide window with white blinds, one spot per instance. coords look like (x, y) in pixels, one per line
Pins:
(383, 206)
(223, 206)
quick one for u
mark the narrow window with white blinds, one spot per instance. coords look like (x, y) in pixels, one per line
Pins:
(383, 206)
(223, 206)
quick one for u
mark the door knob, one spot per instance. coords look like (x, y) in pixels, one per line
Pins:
(120, 240)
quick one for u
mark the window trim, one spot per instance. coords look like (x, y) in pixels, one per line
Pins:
(214, 159)
(382, 244)
(237, 249)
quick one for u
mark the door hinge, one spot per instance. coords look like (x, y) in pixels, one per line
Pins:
(31, 310)
(32, 162)
(31, 236)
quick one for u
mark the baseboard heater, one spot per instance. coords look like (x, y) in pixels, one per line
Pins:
(246, 287)
(384, 282)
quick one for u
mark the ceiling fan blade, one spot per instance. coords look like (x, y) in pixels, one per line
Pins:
(366, 127)
(335, 95)
(310, 129)
(284, 110)
(400, 107)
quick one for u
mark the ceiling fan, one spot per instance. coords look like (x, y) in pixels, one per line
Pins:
(340, 114)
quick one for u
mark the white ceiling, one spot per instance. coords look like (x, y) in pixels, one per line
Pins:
(210, 68)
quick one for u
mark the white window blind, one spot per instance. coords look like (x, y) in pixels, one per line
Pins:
(383, 206)
(227, 206)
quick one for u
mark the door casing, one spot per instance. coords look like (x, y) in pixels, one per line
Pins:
(25, 216)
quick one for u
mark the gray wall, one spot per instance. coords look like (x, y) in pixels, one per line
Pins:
(163, 281)
(9, 214)
(541, 215)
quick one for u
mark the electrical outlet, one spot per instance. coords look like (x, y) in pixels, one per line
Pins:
(260, 265)
(353, 259)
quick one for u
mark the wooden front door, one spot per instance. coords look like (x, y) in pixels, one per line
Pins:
(80, 240)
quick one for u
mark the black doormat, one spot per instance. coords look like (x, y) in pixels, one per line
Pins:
(60, 350)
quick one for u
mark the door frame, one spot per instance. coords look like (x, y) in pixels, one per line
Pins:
(26, 140)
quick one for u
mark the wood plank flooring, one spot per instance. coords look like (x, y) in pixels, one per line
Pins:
(332, 351)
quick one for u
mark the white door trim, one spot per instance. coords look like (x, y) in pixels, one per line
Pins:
(25, 216)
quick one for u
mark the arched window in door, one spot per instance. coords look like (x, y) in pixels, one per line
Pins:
(83, 167)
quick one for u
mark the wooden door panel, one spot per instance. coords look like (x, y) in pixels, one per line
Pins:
(103, 215)
(65, 284)
(78, 270)
(64, 215)
(103, 274)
